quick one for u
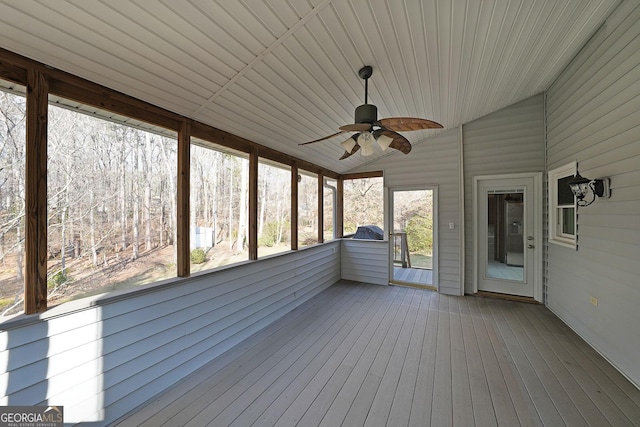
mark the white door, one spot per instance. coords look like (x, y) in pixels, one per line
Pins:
(507, 257)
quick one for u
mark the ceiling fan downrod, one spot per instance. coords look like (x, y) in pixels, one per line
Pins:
(364, 73)
(366, 113)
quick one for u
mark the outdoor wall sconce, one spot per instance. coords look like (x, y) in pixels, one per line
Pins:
(580, 187)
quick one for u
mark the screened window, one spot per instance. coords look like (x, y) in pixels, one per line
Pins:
(111, 205)
(274, 208)
(307, 209)
(330, 195)
(219, 207)
(562, 209)
(363, 203)
(12, 197)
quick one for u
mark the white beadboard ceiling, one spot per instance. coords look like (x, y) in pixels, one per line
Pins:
(281, 72)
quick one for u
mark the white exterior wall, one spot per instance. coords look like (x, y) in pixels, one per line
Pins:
(113, 354)
(366, 261)
(593, 116)
(434, 162)
(508, 141)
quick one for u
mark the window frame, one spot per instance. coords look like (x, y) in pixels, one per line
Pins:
(556, 212)
(330, 195)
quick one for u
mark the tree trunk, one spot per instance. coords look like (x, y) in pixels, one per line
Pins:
(92, 229)
(64, 214)
(172, 190)
(214, 203)
(242, 217)
(230, 205)
(135, 192)
(123, 203)
(63, 232)
(19, 253)
(147, 193)
(196, 197)
(263, 201)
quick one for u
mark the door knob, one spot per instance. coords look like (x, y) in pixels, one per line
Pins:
(530, 246)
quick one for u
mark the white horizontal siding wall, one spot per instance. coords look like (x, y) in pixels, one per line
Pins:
(366, 261)
(508, 141)
(593, 116)
(436, 162)
(111, 356)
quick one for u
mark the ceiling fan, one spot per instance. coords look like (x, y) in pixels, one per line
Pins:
(369, 129)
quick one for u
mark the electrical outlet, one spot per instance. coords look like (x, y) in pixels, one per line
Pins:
(593, 300)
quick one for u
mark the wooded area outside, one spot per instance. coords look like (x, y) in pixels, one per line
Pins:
(413, 216)
(219, 207)
(307, 209)
(111, 205)
(112, 210)
(111, 201)
(43, 86)
(363, 203)
(12, 197)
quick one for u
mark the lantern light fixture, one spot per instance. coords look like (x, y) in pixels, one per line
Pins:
(581, 186)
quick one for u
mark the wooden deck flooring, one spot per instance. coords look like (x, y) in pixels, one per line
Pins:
(417, 276)
(376, 355)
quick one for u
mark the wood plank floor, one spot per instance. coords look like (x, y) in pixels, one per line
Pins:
(371, 355)
(418, 276)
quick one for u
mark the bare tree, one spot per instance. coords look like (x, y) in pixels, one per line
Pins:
(243, 198)
(146, 176)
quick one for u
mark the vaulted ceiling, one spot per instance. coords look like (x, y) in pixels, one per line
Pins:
(282, 72)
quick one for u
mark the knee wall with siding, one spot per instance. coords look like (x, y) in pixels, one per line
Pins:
(108, 357)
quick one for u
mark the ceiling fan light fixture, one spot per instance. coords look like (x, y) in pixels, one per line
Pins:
(384, 141)
(365, 141)
(369, 128)
(348, 144)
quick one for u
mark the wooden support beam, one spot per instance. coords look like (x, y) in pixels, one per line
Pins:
(221, 138)
(35, 278)
(320, 208)
(183, 199)
(360, 175)
(294, 207)
(65, 85)
(13, 73)
(339, 232)
(253, 204)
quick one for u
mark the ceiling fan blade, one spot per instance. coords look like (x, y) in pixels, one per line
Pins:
(399, 142)
(356, 127)
(405, 124)
(322, 139)
(355, 148)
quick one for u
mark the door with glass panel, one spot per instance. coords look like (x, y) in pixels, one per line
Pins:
(506, 255)
(411, 237)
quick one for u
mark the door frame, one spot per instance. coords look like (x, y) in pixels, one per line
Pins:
(537, 225)
(389, 228)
